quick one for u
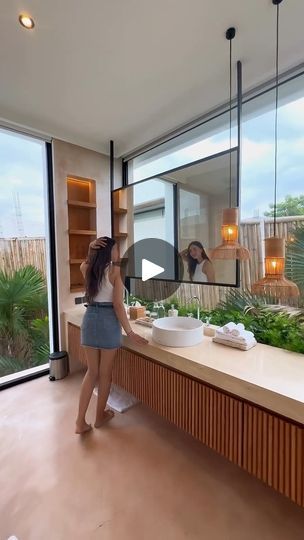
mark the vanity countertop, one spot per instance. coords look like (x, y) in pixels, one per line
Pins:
(267, 376)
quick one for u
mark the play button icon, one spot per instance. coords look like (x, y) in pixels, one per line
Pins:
(150, 270)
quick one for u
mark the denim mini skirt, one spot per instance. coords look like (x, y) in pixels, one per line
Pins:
(100, 327)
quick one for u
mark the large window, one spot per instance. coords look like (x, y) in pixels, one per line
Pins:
(24, 321)
(205, 140)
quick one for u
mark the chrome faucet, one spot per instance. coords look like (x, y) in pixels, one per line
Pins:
(198, 305)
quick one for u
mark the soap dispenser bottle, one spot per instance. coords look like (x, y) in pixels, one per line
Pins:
(172, 312)
(161, 310)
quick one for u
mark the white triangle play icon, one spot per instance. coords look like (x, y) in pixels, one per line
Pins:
(149, 269)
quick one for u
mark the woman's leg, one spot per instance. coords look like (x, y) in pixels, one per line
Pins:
(87, 387)
(104, 385)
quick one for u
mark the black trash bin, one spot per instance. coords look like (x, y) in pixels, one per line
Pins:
(59, 365)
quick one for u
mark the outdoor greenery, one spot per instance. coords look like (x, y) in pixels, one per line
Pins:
(24, 329)
(271, 324)
(295, 258)
(290, 206)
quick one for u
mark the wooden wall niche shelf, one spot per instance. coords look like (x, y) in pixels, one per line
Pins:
(82, 225)
(120, 210)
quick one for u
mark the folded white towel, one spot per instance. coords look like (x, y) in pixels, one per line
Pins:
(248, 339)
(237, 331)
(227, 328)
(246, 335)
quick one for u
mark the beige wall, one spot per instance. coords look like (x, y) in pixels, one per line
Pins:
(70, 160)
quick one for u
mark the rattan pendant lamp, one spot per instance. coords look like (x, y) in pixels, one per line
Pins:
(275, 284)
(230, 247)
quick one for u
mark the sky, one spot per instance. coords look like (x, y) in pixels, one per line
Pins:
(22, 174)
(22, 167)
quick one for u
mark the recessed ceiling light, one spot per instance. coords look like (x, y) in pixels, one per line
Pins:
(26, 21)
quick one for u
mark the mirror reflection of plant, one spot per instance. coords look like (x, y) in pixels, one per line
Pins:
(23, 298)
(295, 258)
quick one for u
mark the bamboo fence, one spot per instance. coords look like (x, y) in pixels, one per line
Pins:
(15, 253)
(18, 252)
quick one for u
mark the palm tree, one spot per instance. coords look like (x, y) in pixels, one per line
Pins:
(23, 298)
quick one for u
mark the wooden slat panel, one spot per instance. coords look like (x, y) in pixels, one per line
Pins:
(300, 467)
(293, 463)
(264, 445)
(260, 445)
(222, 449)
(287, 459)
(274, 452)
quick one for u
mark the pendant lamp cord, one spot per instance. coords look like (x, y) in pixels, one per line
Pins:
(276, 124)
(230, 126)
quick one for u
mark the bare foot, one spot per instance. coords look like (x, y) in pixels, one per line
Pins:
(82, 428)
(107, 415)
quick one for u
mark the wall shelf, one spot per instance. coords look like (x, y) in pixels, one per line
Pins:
(81, 202)
(82, 232)
(120, 235)
(76, 261)
(77, 288)
(120, 211)
(120, 219)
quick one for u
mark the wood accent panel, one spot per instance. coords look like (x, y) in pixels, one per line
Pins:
(273, 452)
(76, 352)
(119, 218)
(206, 414)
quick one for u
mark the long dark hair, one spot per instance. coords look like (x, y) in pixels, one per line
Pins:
(193, 262)
(98, 260)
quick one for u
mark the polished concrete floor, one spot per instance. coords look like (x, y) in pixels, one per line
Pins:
(138, 478)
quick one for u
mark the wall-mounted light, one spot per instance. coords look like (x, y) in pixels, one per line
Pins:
(26, 21)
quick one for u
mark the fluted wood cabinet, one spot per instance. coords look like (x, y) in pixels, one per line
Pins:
(267, 446)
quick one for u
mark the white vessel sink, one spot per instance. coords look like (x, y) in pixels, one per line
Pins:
(177, 331)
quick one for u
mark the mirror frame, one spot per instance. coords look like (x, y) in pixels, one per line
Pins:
(176, 187)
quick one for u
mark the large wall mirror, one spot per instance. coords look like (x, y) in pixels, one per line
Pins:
(184, 208)
(204, 190)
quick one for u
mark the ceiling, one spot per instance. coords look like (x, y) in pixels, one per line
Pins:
(131, 70)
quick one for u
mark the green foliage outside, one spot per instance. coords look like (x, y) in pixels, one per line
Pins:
(295, 258)
(290, 206)
(24, 328)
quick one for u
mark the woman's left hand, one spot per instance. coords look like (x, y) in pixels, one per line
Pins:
(98, 243)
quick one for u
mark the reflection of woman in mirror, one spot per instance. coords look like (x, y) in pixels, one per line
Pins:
(200, 267)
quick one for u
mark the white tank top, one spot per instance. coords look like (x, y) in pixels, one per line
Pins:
(199, 275)
(105, 293)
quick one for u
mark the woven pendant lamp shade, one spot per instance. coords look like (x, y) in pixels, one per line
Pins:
(230, 249)
(275, 284)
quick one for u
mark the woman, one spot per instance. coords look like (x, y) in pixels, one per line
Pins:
(101, 327)
(200, 267)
